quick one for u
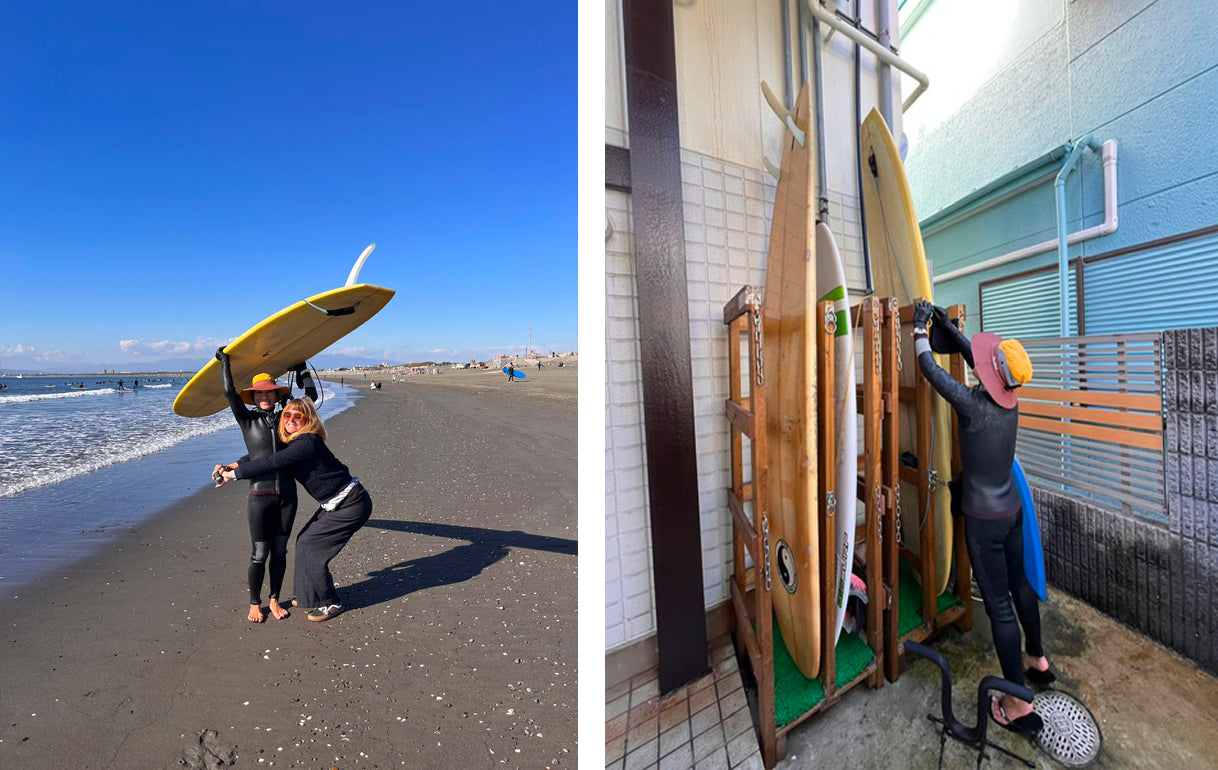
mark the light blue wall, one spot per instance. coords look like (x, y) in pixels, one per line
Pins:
(1142, 73)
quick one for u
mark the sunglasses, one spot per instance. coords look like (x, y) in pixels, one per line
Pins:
(294, 416)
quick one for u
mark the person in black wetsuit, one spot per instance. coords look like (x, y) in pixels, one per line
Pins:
(345, 505)
(272, 502)
(987, 418)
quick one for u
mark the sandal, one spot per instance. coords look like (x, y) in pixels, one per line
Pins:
(1028, 724)
(1040, 678)
(325, 613)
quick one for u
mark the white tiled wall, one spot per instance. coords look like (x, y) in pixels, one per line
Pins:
(727, 213)
(628, 604)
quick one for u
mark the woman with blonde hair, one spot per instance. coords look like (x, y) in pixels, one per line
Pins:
(345, 505)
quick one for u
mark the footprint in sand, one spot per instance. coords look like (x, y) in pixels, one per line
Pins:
(207, 753)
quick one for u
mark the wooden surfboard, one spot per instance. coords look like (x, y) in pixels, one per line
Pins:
(790, 369)
(289, 337)
(898, 266)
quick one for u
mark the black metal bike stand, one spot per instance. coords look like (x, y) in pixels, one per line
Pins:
(973, 737)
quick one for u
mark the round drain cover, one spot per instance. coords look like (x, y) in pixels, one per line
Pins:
(1071, 735)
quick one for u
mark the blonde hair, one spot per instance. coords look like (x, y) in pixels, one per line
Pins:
(312, 423)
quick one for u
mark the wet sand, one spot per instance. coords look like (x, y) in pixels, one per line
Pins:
(458, 646)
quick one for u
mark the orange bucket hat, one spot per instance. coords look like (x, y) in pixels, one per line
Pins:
(1002, 366)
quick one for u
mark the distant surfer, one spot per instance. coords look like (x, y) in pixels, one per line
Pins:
(271, 504)
(345, 506)
(988, 417)
(511, 372)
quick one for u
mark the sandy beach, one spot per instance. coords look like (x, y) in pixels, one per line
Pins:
(458, 646)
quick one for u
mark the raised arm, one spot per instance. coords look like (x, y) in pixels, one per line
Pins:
(947, 386)
(948, 337)
(230, 392)
(304, 381)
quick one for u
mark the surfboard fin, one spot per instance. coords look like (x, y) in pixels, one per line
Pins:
(799, 132)
(353, 276)
(770, 168)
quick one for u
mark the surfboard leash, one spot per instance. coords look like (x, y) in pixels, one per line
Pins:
(321, 390)
(336, 311)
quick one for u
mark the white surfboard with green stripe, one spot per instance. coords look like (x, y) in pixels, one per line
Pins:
(831, 286)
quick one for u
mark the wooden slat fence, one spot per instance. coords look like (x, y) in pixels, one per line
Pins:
(1091, 420)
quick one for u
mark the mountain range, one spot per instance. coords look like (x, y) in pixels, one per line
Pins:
(190, 365)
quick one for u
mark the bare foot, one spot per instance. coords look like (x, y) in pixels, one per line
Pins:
(1015, 708)
(255, 615)
(1040, 664)
(279, 612)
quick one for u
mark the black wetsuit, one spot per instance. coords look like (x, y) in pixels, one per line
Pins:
(993, 514)
(313, 464)
(272, 502)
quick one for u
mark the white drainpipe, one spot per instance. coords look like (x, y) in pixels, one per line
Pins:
(1107, 227)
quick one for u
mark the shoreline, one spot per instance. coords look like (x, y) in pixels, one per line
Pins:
(459, 638)
(67, 518)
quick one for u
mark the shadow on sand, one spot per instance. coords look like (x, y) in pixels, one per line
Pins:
(483, 548)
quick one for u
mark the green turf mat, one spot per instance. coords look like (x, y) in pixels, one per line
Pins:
(910, 603)
(795, 695)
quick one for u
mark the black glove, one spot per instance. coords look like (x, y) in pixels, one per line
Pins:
(945, 334)
(922, 313)
(220, 354)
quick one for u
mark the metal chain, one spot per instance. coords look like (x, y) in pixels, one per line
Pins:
(897, 495)
(879, 514)
(765, 539)
(875, 333)
(756, 321)
(896, 323)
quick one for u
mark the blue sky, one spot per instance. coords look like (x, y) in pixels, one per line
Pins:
(172, 173)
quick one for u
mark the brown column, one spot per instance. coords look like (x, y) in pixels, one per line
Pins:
(668, 406)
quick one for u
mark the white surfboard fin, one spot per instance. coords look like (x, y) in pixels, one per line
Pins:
(773, 170)
(799, 132)
(353, 276)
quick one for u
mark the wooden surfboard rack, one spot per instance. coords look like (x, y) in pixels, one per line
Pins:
(879, 321)
(960, 612)
(752, 582)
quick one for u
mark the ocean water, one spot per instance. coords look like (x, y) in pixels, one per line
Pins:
(79, 463)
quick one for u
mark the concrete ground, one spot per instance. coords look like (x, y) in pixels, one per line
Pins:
(1154, 708)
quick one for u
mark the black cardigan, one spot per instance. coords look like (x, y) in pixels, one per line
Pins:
(309, 460)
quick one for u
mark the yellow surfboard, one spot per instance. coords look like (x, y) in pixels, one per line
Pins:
(898, 266)
(790, 375)
(292, 335)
